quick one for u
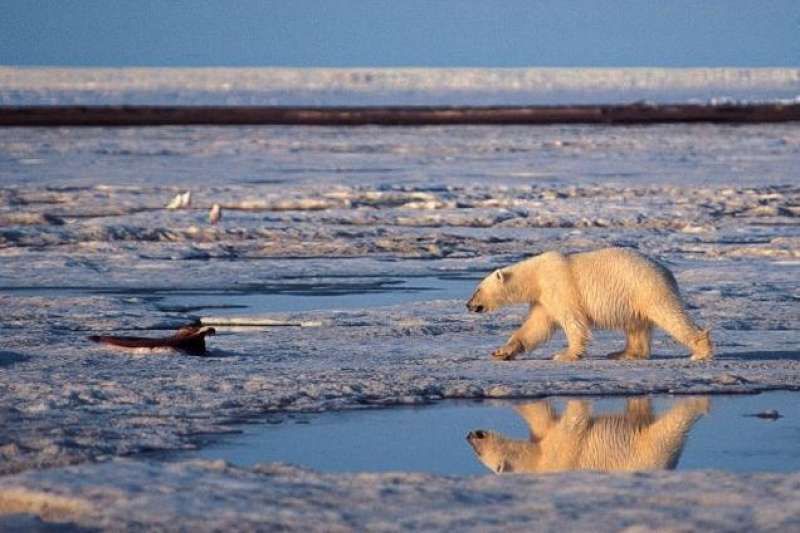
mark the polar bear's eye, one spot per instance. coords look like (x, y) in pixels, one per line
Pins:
(498, 275)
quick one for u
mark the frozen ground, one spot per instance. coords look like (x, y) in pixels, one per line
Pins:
(86, 247)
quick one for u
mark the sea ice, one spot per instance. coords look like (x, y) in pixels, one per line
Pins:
(87, 247)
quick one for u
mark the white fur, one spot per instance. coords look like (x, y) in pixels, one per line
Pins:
(611, 288)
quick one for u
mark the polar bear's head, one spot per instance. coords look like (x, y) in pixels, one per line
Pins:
(491, 293)
(503, 455)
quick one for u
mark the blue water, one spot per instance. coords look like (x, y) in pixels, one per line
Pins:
(432, 438)
(390, 291)
(283, 296)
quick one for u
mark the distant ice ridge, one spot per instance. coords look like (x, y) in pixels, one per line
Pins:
(406, 86)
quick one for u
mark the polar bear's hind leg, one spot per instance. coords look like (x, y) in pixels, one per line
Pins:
(673, 319)
(637, 343)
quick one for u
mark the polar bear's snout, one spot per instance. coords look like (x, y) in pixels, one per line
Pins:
(476, 435)
(474, 306)
(489, 450)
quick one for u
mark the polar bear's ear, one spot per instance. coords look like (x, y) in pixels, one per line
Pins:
(503, 275)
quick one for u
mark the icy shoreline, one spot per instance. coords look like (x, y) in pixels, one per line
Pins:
(83, 401)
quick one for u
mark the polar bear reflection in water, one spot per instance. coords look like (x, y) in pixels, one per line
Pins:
(635, 439)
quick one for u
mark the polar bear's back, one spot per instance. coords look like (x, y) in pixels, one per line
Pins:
(619, 286)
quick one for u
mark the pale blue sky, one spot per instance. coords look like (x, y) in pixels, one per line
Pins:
(428, 33)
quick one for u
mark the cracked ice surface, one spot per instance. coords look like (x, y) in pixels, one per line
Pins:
(86, 246)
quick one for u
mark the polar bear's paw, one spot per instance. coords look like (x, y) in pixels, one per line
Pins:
(623, 356)
(702, 348)
(506, 353)
(566, 356)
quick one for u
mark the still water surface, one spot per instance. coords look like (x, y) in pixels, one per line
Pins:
(719, 435)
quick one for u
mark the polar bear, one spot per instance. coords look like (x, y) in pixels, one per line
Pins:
(611, 288)
(629, 441)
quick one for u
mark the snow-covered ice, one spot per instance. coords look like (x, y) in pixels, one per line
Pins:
(87, 246)
(129, 495)
(376, 86)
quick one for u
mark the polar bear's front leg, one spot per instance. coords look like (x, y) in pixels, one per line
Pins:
(510, 350)
(536, 329)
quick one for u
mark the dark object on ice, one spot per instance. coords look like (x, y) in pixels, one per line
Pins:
(190, 340)
(769, 414)
(636, 113)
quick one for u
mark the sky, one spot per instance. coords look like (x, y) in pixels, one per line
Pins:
(397, 33)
